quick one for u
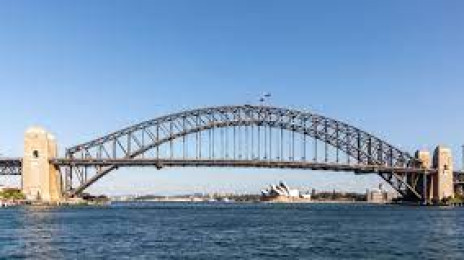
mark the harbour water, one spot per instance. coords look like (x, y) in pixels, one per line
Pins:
(232, 231)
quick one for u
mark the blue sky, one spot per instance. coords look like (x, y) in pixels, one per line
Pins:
(85, 68)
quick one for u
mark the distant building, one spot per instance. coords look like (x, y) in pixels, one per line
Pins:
(380, 195)
(283, 193)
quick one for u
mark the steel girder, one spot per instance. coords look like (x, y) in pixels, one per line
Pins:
(10, 166)
(137, 140)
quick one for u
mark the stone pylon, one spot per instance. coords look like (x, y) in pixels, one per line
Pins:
(41, 181)
(425, 185)
(443, 181)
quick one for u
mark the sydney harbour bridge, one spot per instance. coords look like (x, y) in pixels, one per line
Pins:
(241, 136)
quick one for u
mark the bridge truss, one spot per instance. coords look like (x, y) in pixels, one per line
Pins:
(241, 136)
(10, 166)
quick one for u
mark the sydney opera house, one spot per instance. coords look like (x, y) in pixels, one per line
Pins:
(283, 193)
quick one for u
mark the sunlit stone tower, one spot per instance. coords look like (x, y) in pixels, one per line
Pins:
(443, 181)
(41, 181)
(425, 182)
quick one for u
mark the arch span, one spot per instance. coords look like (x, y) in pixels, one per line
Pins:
(243, 133)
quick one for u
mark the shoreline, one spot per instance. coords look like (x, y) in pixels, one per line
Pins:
(250, 202)
(84, 203)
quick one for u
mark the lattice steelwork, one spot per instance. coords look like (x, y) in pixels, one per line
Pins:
(10, 166)
(459, 182)
(241, 136)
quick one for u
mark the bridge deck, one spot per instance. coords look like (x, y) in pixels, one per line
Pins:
(160, 163)
(12, 166)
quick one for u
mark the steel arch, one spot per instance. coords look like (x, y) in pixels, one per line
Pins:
(134, 141)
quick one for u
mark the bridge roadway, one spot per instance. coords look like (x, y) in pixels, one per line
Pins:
(12, 166)
(161, 163)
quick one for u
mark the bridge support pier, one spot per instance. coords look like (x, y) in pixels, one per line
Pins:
(425, 181)
(438, 186)
(41, 180)
(444, 179)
